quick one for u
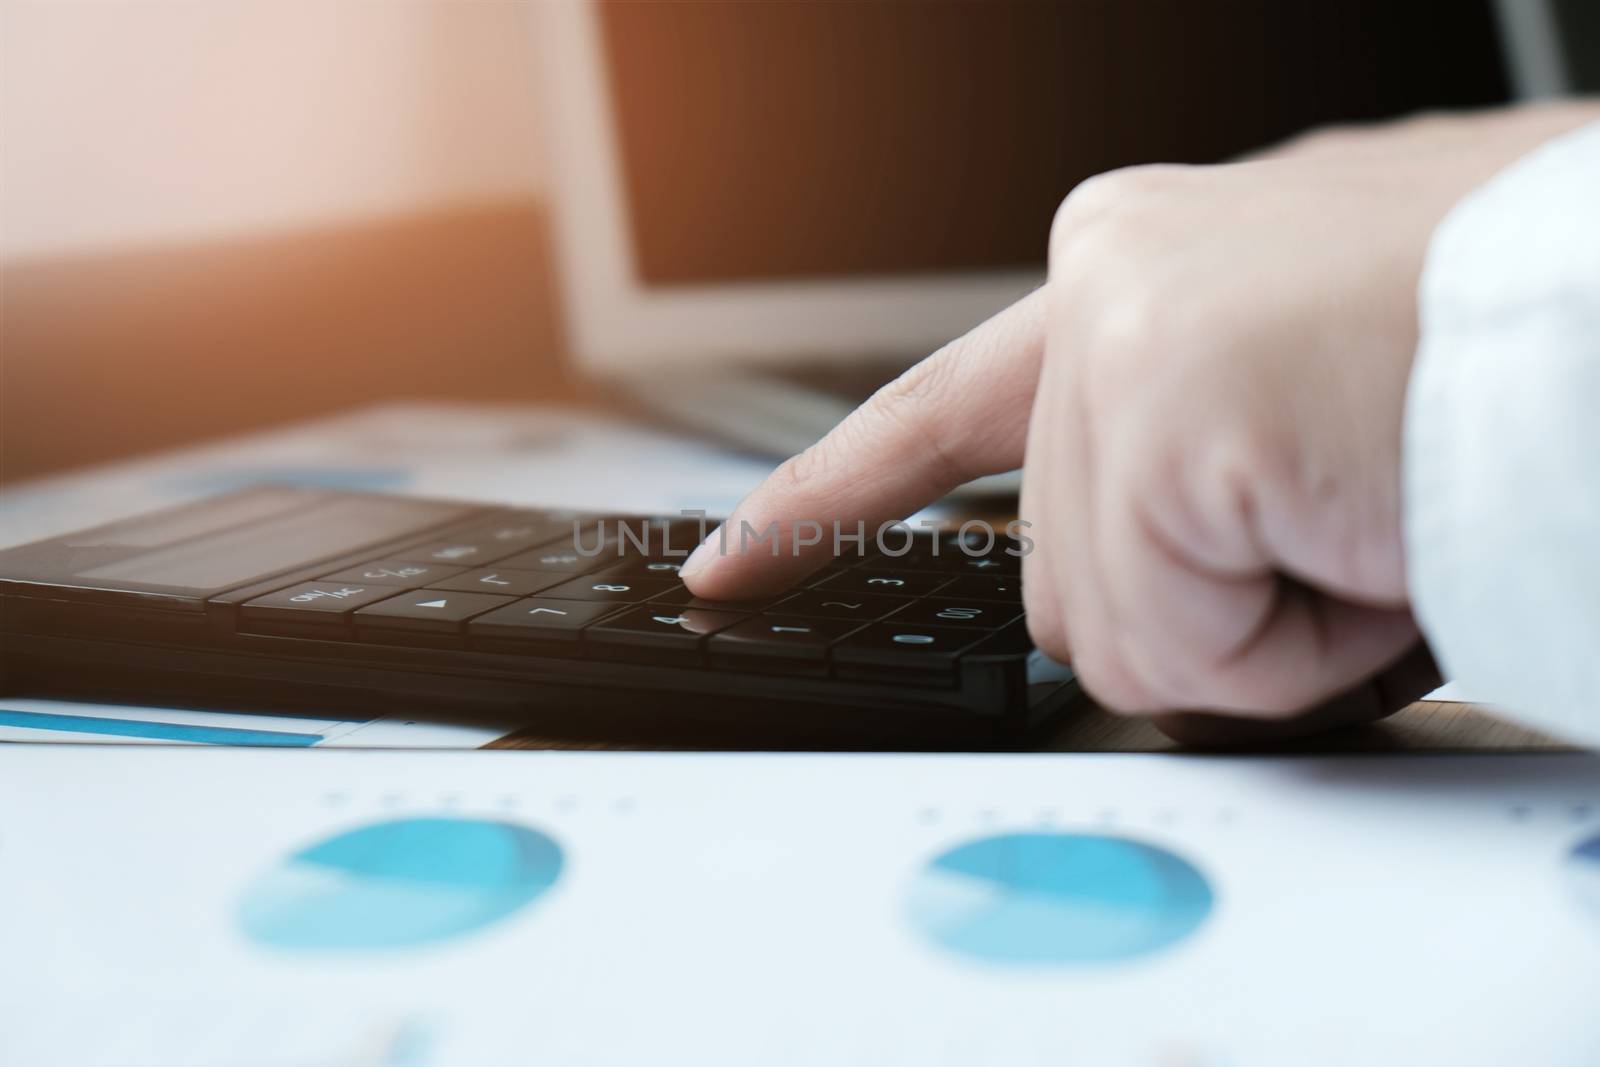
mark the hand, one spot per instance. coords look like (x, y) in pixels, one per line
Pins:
(1208, 395)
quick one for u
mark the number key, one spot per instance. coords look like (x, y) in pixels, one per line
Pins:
(821, 604)
(882, 583)
(656, 634)
(975, 614)
(617, 590)
(886, 651)
(785, 643)
(646, 567)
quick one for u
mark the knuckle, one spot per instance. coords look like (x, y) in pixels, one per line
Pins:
(912, 393)
(906, 410)
(1116, 190)
(1108, 230)
(1115, 196)
(1133, 344)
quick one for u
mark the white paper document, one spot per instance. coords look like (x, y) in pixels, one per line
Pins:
(602, 910)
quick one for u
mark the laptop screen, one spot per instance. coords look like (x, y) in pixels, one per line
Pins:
(789, 140)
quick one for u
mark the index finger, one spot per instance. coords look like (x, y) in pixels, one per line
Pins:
(959, 414)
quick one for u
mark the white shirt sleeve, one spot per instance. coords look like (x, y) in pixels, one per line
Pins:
(1502, 442)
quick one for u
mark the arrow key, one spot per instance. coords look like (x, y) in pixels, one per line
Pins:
(428, 610)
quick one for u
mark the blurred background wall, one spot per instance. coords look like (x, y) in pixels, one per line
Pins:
(216, 215)
(127, 123)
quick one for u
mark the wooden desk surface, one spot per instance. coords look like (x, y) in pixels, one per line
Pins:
(1422, 727)
(457, 304)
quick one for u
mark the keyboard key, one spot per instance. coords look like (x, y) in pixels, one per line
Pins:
(833, 570)
(540, 620)
(619, 537)
(646, 567)
(968, 614)
(777, 642)
(921, 545)
(951, 556)
(502, 580)
(557, 561)
(516, 533)
(915, 561)
(395, 573)
(978, 540)
(325, 602)
(825, 605)
(657, 538)
(428, 610)
(882, 583)
(1006, 589)
(886, 651)
(1012, 642)
(680, 597)
(993, 563)
(658, 635)
(460, 552)
(617, 590)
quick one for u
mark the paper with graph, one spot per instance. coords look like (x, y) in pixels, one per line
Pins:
(614, 909)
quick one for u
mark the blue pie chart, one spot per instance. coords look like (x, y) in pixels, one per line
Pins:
(1058, 899)
(1583, 875)
(399, 884)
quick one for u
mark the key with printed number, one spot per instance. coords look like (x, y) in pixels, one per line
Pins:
(680, 597)
(914, 654)
(818, 604)
(882, 583)
(620, 590)
(785, 644)
(645, 567)
(657, 635)
(969, 614)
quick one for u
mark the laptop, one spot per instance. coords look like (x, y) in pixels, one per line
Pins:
(763, 211)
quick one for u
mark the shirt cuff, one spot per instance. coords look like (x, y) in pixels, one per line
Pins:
(1501, 462)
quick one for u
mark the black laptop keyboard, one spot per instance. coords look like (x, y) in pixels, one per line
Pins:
(533, 582)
